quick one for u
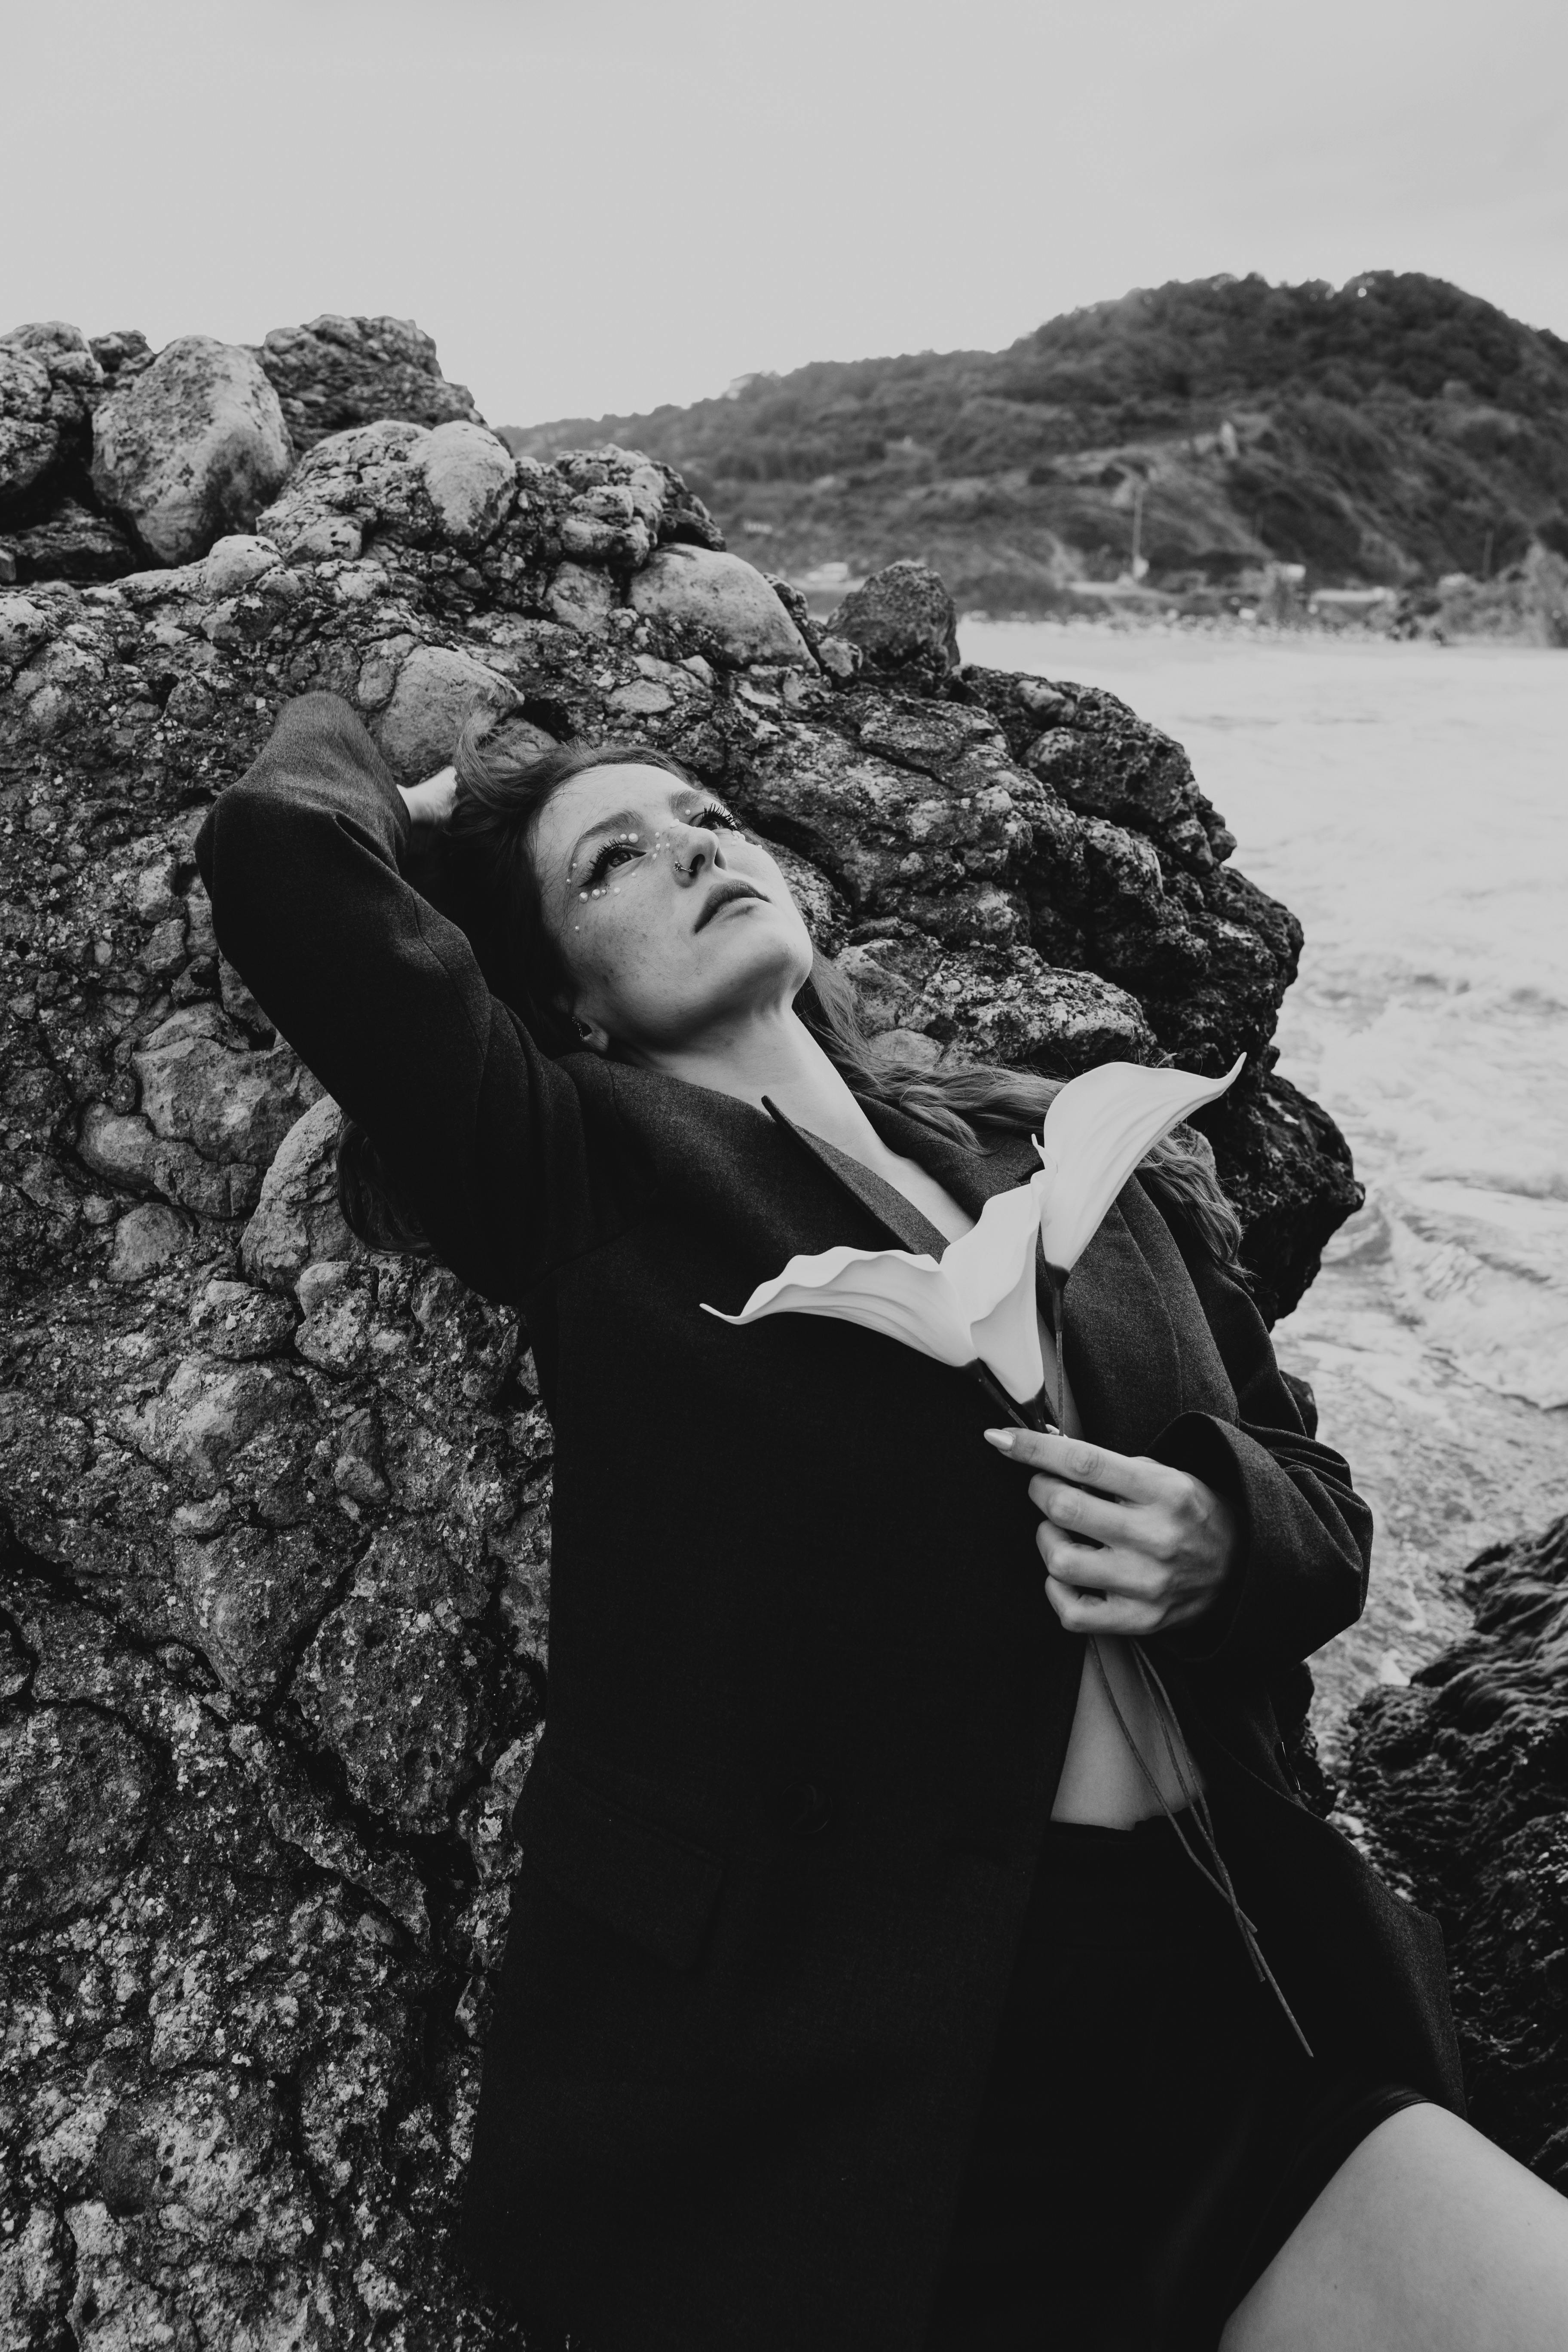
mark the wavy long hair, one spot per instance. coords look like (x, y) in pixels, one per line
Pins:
(487, 881)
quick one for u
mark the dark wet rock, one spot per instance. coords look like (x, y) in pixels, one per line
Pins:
(334, 372)
(276, 1506)
(191, 448)
(69, 542)
(1287, 1160)
(1459, 1782)
(903, 621)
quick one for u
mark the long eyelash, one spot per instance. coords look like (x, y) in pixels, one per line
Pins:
(596, 870)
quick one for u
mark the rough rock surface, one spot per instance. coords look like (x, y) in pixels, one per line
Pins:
(1460, 1783)
(902, 619)
(50, 381)
(333, 373)
(192, 446)
(272, 1650)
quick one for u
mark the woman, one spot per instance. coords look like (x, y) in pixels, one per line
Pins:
(860, 1991)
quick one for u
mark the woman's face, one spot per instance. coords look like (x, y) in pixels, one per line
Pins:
(672, 924)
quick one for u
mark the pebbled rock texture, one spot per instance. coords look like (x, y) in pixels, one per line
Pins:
(275, 1507)
(1459, 1782)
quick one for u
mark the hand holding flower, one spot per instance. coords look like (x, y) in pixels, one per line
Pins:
(1148, 1549)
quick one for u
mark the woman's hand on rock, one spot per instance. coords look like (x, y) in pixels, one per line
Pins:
(1147, 1549)
(429, 805)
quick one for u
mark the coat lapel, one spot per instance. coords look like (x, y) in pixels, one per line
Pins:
(971, 1177)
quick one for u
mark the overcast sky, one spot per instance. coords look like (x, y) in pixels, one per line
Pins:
(598, 205)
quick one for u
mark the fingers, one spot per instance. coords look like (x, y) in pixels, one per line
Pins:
(1090, 1518)
(1126, 1475)
(1101, 1612)
(1124, 1574)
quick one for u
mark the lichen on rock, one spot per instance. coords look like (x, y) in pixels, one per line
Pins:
(273, 1639)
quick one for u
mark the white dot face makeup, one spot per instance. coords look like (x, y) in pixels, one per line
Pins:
(661, 841)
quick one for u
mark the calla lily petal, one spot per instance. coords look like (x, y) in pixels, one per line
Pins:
(891, 1291)
(991, 1269)
(978, 1304)
(1095, 1133)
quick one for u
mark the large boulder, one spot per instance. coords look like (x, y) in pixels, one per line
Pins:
(902, 619)
(275, 1505)
(194, 447)
(717, 605)
(333, 373)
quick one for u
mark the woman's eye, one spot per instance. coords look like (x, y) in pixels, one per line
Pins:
(612, 849)
(718, 818)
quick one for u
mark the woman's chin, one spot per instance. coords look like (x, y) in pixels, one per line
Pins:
(756, 927)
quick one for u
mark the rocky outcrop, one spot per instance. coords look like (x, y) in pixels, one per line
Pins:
(1460, 1783)
(101, 474)
(272, 1649)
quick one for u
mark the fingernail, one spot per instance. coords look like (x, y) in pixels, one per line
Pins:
(1001, 1437)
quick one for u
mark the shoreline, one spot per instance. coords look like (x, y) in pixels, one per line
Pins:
(1235, 629)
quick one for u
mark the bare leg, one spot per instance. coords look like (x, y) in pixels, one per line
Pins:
(1427, 2238)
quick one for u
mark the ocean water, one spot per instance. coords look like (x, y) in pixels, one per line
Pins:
(1410, 803)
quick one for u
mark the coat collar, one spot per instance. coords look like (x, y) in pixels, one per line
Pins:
(971, 1177)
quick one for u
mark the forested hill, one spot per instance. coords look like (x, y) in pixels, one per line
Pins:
(1389, 430)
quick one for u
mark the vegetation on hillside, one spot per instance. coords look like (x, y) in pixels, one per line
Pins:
(1388, 431)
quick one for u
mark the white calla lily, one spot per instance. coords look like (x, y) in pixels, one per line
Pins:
(976, 1306)
(1095, 1133)
(976, 1309)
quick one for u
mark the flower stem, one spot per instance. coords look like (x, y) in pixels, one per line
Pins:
(1032, 1416)
(1057, 1283)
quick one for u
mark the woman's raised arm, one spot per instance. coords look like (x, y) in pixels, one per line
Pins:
(507, 1166)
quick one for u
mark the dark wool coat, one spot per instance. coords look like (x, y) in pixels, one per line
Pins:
(807, 1701)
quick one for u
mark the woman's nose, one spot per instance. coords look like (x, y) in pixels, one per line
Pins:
(692, 846)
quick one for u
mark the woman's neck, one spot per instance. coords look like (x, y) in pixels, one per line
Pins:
(775, 1055)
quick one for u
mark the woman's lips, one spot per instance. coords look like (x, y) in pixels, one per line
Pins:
(728, 894)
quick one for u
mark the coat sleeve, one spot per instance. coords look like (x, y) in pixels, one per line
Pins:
(491, 1143)
(1305, 1548)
